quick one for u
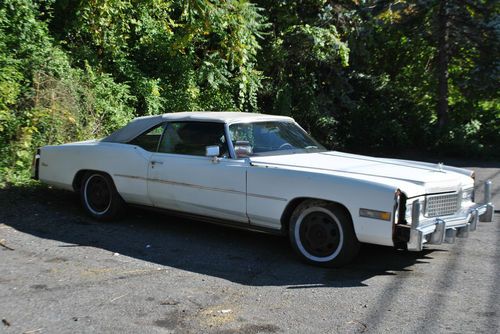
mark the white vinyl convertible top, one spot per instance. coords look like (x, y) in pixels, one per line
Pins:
(141, 124)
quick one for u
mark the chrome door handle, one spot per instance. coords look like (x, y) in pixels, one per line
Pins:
(154, 162)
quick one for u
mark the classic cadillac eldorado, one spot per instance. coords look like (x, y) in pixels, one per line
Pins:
(265, 173)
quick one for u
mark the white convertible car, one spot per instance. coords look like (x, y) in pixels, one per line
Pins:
(264, 172)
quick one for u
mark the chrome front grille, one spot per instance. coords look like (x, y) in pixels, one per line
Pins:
(441, 205)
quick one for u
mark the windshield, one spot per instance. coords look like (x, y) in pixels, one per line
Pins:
(268, 138)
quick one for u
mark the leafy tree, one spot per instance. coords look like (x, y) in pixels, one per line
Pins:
(177, 55)
(43, 99)
(459, 40)
(371, 76)
(304, 59)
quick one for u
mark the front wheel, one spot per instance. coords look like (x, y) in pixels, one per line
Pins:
(322, 234)
(99, 197)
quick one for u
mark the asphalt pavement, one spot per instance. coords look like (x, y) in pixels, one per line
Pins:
(61, 272)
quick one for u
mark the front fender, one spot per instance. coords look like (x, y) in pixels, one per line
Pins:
(280, 188)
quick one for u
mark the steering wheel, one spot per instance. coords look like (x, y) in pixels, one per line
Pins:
(286, 146)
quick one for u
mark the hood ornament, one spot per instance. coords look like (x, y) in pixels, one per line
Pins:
(440, 166)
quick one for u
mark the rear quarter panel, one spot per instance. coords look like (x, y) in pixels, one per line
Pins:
(59, 165)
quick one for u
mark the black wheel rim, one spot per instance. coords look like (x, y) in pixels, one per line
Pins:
(319, 234)
(98, 194)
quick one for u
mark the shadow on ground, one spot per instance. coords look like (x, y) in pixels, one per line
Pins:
(243, 257)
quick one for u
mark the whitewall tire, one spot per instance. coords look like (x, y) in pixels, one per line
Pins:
(322, 233)
(99, 196)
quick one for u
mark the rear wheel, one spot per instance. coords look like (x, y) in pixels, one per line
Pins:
(322, 234)
(99, 196)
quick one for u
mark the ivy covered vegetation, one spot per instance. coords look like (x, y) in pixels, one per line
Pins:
(364, 76)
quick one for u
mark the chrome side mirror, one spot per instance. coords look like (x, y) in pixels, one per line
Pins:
(213, 152)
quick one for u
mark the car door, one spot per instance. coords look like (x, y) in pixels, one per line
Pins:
(182, 178)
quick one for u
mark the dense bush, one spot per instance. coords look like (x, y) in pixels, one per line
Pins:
(43, 99)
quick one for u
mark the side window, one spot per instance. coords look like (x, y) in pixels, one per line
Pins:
(191, 138)
(149, 140)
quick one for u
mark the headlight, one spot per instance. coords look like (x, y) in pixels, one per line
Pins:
(467, 194)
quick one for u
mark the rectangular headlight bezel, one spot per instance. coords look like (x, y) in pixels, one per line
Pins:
(467, 194)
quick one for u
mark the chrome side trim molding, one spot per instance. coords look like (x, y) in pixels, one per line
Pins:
(268, 197)
(190, 185)
(131, 177)
(202, 187)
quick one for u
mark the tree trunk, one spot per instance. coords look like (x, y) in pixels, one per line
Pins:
(442, 65)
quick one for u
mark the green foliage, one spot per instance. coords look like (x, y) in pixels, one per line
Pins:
(202, 52)
(43, 99)
(360, 75)
(394, 70)
(304, 59)
(105, 103)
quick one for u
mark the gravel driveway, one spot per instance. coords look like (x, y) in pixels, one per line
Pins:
(152, 273)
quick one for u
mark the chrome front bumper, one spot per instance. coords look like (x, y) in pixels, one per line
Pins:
(439, 230)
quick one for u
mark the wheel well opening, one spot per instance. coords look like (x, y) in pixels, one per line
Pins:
(287, 214)
(77, 180)
(79, 176)
(285, 217)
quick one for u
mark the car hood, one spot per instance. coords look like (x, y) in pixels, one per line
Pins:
(414, 178)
